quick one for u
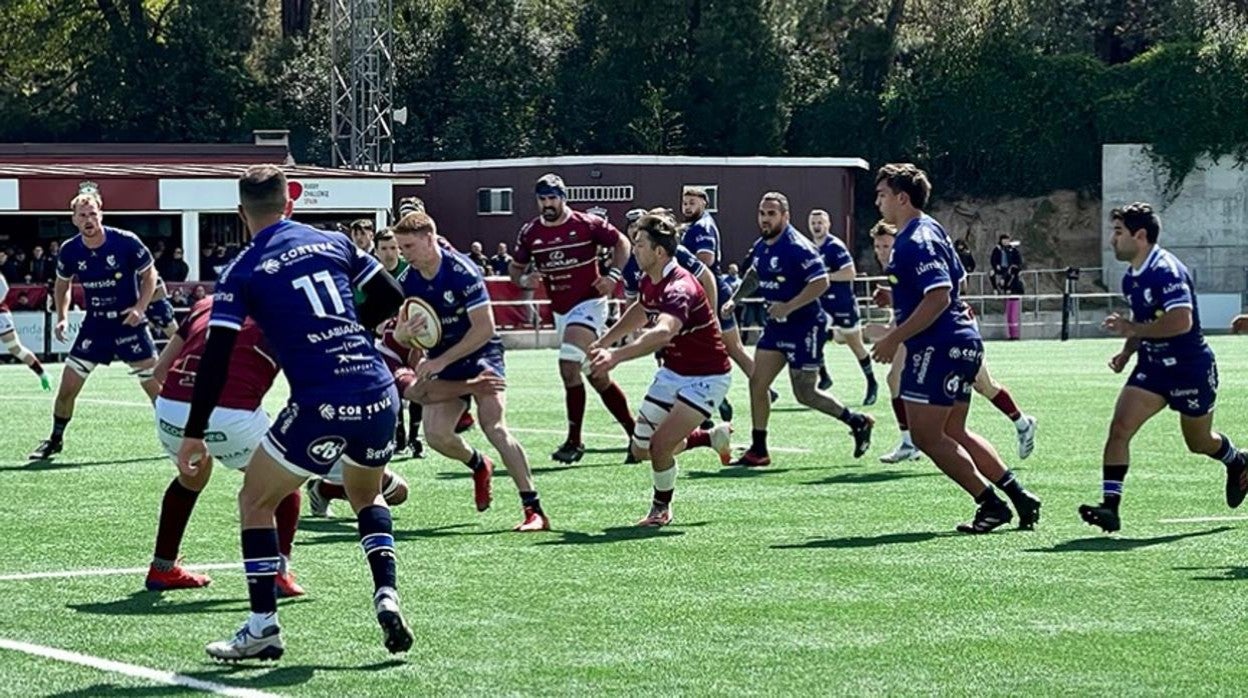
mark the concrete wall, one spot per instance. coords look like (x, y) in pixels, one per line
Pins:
(1206, 224)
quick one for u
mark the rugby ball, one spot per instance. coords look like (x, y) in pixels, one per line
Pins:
(419, 307)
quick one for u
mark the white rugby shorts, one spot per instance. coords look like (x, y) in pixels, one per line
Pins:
(591, 313)
(231, 437)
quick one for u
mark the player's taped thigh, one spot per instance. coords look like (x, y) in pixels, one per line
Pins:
(571, 352)
(80, 366)
(649, 416)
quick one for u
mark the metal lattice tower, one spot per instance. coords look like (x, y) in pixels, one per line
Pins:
(362, 83)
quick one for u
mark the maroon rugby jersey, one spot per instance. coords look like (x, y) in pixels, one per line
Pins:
(698, 349)
(252, 366)
(566, 255)
(396, 354)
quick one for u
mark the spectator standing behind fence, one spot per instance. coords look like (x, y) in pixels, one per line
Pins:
(500, 261)
(1007, 265)
(477, 254)
(176, 269)
(40, 270)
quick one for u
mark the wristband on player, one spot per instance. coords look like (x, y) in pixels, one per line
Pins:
(615, 273)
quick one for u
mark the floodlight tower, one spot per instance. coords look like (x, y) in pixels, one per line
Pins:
(362, 83)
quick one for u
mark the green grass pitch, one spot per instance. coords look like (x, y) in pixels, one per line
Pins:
(819, 575)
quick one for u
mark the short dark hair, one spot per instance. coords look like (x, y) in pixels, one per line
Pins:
(883, 228)
(1003, 236)
(905, 177)
(1139, 216)
(386, 235)
(660, 230)
(362, 224)
(262, 190)
(778, 198)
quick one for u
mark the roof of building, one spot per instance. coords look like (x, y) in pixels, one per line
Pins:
(667, 160)
(134, 170)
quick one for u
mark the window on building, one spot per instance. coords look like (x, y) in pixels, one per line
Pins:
(601, 194)
(712, 195)
(494, 202)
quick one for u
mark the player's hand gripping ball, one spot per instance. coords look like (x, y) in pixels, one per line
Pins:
(419, 324)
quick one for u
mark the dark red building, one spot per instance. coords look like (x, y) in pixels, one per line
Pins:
(488, 200)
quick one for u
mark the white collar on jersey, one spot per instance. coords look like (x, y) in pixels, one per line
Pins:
(1148, 262)
(669, 267)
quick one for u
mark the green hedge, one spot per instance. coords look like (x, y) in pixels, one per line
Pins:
(995, 117)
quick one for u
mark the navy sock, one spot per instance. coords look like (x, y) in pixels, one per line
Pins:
(852, 418)
(58, 427)
(1227, 453)
(989, 497)
(865, 364)
(261, 562)
(758, 441)
(531, 500)
(1112, 477)
(1010, 485)
(377, 539)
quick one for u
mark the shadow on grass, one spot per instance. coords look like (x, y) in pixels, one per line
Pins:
(1225, 574)
(1107, 544)
(733, 473)
(155, 603)
(852, 542)
(619, 534)
(344, 535)
(245, 676)
(869, 478)
(45, 465)
(500, 471)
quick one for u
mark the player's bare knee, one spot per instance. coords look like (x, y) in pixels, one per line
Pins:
(570, 373)
(600, 382)
(1120, 431)
(198, 481)
(442, 442)
(805, 389)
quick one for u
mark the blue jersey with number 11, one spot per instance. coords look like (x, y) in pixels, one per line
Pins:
(296, 282)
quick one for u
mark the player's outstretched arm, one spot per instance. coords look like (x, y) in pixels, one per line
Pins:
(382, 298)
(748, 285)
(165, 361)
(665, 328)
(633, 319)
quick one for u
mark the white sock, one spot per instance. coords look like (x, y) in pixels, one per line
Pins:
(1021, 422)
(386, 599)
(905, 438)
(258, 622)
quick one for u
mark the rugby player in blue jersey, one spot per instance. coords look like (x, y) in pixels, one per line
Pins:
(1175, 367)
(944, 352)
(296, 283)
(791, 276)
(118, 279)
(839, 302)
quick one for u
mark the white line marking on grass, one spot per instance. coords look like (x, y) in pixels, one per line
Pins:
(132, 670)
(1205, 519)
(519, 430)
(620, 437)
(67, 574)
(87, 400)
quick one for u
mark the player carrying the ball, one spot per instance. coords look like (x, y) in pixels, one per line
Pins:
(453, 287)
